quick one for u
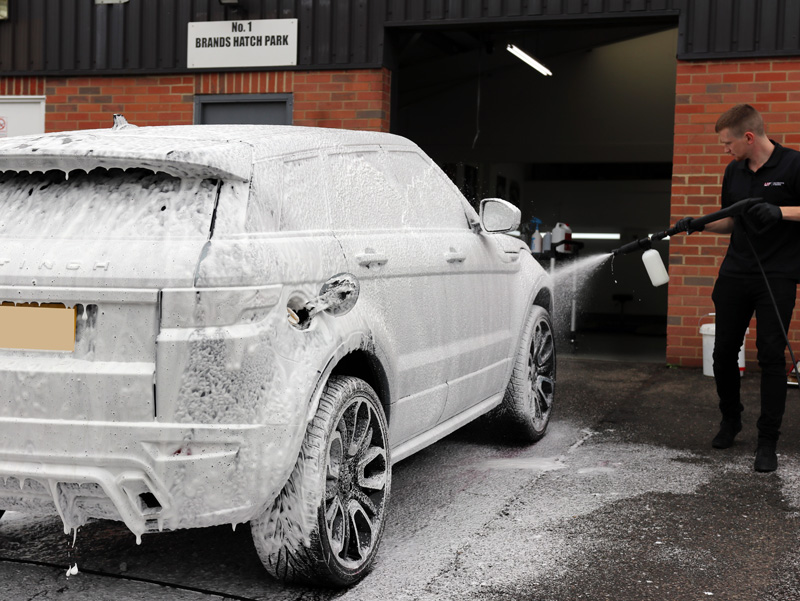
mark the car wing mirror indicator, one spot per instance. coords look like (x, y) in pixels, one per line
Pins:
(498, 216)
(337, 297)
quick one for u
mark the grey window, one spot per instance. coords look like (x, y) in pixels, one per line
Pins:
(427, 191)
(255, 109)
(361, 196)
(303, 205)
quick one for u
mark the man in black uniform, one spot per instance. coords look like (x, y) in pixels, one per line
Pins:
(768, 232)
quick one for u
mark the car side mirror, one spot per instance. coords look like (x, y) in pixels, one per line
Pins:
(498, 216)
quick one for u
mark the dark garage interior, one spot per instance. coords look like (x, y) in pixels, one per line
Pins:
(589, 146)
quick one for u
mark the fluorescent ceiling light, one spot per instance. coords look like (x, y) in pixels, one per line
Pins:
(595, 236)
(528, 59)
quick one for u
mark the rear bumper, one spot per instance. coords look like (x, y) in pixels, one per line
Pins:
(151, 476)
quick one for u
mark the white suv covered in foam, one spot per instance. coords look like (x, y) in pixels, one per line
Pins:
(203, 325)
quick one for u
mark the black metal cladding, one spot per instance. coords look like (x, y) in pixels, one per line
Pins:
(68, 37)
(80, 37)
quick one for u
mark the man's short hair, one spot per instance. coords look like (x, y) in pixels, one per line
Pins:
(741, 119)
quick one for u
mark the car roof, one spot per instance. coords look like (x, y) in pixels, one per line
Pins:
(182, 150)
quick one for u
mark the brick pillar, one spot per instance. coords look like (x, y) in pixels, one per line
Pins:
(704, 90)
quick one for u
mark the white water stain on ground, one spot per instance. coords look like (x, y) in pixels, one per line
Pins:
(600, 469)
(537, 462)
(10, 516)
(789, 473)
(540, 464)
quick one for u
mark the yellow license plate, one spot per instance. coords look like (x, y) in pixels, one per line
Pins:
(45, 327)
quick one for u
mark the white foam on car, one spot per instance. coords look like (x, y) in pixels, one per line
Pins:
(221, 381)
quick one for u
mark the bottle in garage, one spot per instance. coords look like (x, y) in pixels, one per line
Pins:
(562, 232)
(536, 237)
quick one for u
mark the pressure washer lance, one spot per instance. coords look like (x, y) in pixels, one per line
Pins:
(652, 259)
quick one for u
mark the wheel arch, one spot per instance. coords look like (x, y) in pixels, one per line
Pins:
(357, 356)
(544, 299)
(366, 366)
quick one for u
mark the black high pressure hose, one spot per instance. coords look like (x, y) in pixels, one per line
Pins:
(735, 209)
(775, 306)
(645, 243)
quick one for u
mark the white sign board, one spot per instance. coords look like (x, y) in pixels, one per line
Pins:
(21, 115)
(260, 43)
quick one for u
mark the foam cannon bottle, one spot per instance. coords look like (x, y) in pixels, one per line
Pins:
(655, 267)
(652, 259)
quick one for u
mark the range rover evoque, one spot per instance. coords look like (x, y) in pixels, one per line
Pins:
(205, 325)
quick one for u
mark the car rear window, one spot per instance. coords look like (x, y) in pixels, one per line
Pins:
(104, 203)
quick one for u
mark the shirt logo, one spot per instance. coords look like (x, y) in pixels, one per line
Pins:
(773, 184)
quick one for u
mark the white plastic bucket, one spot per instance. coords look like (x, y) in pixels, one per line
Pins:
(708, 331)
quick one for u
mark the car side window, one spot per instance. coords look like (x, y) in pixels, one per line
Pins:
(303, 205)
(361, 197)
(423, 185)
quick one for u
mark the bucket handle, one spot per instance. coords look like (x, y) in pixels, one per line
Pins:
(699, 321)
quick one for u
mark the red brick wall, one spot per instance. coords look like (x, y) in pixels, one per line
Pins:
(704, 90)
(358, 99)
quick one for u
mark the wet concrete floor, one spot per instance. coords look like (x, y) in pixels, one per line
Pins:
(624, 499)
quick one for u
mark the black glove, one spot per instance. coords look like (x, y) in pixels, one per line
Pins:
(687, 225)
(765, 214)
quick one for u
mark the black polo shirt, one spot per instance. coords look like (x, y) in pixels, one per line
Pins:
(778, 248)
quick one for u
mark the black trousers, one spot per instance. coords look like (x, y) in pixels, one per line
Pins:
(735, 301)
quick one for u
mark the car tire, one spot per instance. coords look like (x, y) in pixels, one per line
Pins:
(326, 525)
(528, 401)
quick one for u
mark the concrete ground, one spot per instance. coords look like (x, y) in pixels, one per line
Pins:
(624, 499)
(731, 533)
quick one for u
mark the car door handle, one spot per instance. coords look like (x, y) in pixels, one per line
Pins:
(370, 257)
(455, 256)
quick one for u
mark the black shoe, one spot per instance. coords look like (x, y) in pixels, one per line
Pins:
(727, 432)
(766, 458)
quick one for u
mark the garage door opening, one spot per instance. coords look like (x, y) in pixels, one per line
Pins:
(589, 146)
